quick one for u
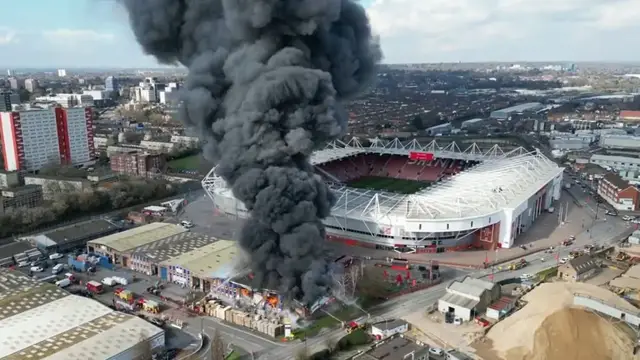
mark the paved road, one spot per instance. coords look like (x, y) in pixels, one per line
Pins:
(421, 300)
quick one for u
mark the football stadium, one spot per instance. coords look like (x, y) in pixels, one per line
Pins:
(410, 197)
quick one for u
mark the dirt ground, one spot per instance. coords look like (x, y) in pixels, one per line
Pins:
(548, 329)
(431, 328)
(605, 275)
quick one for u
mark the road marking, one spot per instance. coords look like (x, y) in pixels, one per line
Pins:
(232, 336)
(244, 332)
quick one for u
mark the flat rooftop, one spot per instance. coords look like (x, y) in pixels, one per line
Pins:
(128, 240)
(211, 261)
(83, 230)
(394, 349)
(15, 283)
(41, 321)
(173, 246)
(13, 248)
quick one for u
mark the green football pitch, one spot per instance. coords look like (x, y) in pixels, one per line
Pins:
(401, 186)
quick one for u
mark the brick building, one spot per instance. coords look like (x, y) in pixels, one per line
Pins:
(138, 164)
(619, 193)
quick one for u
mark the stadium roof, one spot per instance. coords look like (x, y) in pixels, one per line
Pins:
(42, 321)
(501, 180)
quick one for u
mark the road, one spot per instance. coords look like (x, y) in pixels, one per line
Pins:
(421, 300)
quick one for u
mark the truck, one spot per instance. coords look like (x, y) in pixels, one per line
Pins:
(567, 185)
(95, 287)
(518, 264)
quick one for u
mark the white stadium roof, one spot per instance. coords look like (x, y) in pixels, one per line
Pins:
(501, 180)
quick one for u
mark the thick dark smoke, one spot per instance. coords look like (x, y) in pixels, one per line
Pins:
(265, 85)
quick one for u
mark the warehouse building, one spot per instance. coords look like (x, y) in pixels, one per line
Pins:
(387, 328)
(40, 321)
(468, 298)
(147, 258)
(203, 268)
(13, 252)
(118, 247)
(504, 114)
(74, 236)
(620, 142)
(619, 193)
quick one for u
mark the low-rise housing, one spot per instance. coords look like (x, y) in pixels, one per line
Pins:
(161, 146)
(578, 269)
(138, 163)
(52, 185)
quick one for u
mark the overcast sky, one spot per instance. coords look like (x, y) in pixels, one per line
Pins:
(94, 33)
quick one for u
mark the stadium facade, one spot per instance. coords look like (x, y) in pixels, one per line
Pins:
(472, 198)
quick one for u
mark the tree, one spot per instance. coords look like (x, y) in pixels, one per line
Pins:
(417, 122)
(217, 347)
(302, 355)
(371, 285)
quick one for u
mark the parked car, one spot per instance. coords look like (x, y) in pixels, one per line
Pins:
(36, 269)
(186, 224)
(55, 256)
(564, 260)
(436, 351)
(23, 264)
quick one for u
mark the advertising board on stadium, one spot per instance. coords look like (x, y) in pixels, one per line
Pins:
(420, 156)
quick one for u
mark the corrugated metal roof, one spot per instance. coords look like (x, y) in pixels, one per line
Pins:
(131, 239)
(458, 300)
(467, 289)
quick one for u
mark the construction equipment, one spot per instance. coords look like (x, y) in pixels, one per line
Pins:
(622, 256)
(352, 326)
(518, 264)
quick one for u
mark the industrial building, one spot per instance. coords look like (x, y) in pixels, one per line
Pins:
(52, 185)
(40, 321)
(628, 167)
(68, 100)
(501, 308)
(118, 247)
(504, 114)
(620, 142)
(619, 193)
(203, 268)
(74, 236)
(468, 298)
(571, 142)
(578, 269)
(32, 139)
(27, 196)
(147, 258)
(13, 252)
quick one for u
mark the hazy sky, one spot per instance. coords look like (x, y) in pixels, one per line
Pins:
(94, 33)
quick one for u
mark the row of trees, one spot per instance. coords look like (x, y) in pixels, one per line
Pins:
(70, 203)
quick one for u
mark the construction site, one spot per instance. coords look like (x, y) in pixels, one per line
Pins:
(584, 308)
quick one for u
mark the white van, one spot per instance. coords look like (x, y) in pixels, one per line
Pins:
(57, 269)
(63, 283)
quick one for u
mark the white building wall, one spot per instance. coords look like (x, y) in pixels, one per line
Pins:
(459, 311)
(39, 138)
(8, 142)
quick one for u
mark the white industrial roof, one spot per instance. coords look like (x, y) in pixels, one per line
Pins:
(501, 180)
(71, 327)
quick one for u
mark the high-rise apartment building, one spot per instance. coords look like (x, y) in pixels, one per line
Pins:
(13, 83)
(62, 72)
(7, 99)
(32, 139)
(111, 83)
(31, 85)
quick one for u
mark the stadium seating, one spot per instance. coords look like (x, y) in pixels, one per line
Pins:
(396, 166)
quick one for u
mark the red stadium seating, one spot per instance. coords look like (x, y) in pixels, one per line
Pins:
(395, 166)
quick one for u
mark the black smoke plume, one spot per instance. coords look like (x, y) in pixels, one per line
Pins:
(265, 85)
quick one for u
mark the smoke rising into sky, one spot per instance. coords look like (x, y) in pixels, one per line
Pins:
(265, 85)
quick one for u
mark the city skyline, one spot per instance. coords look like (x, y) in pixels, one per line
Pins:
(95, 34)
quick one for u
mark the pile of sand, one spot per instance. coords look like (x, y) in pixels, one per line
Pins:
(548, 328)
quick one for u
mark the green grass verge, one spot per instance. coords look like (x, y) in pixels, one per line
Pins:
(234, 355)
(389, 184)
(344, 314)
(548, 273)
(186, 163)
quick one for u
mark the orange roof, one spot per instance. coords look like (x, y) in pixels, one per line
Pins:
(630, 114)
